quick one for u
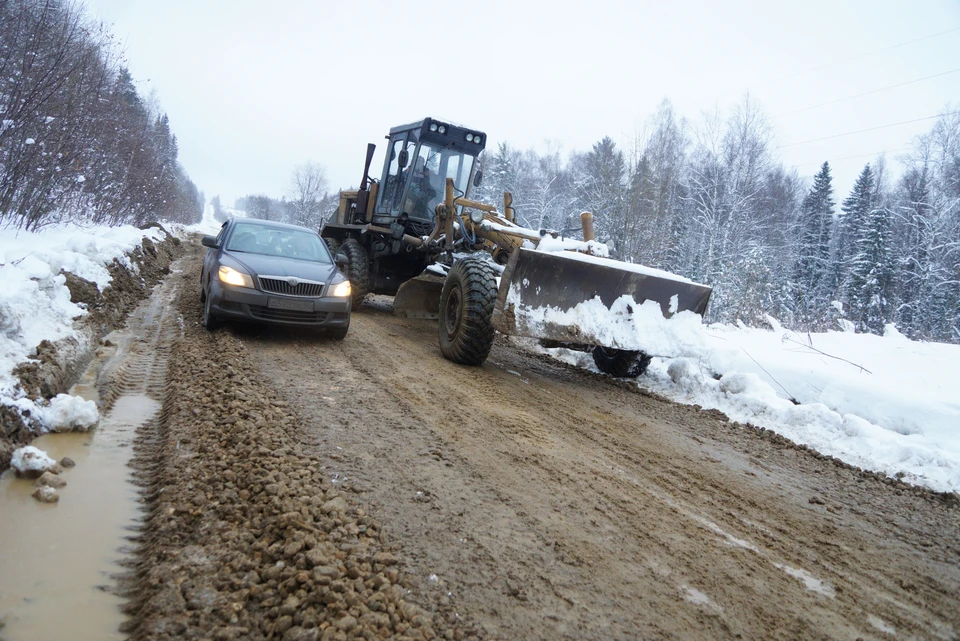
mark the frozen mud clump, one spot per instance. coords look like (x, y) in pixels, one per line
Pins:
(46, 494)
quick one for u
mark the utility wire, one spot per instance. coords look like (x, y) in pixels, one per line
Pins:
(857, 57)
(875, 153)
(860, 131)
(867, 93)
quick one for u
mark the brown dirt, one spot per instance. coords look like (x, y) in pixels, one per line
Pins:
(303, 488)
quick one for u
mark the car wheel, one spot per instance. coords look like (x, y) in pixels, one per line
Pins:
(210, 321)
(338, 334)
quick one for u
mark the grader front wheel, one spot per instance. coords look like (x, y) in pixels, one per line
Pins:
(466, 311)
(357, 272)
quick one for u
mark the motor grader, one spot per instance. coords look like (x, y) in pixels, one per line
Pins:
(415, 234)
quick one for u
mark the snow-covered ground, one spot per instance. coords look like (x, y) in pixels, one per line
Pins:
(35, 302)
(883, 403)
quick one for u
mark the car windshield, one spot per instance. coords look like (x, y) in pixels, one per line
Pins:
(274, 241)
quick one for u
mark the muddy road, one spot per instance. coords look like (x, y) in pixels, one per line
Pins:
(304, 488)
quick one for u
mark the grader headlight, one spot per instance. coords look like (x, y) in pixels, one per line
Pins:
(476, 216)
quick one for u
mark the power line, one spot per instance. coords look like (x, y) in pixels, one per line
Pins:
(858, 56)
(875, 153)
(867, 93)
(860, 131)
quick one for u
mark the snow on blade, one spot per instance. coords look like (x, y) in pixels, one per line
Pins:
(625, 324)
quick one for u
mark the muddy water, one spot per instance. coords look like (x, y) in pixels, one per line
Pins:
(58, 562)
(57, 559)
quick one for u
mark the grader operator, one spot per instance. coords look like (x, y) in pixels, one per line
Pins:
(415, 234)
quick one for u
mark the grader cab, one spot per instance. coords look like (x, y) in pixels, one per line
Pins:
(415, 234)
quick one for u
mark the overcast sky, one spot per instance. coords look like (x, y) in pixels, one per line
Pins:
(254, 88)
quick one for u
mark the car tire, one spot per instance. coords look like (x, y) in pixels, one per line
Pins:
(357, 272)
(210, 321)
(466, 311)
(622, 363)
(338, 334)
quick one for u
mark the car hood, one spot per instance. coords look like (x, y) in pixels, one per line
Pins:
(261, 265)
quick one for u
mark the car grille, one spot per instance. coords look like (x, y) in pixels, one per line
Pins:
(280, 285)
(268, 314)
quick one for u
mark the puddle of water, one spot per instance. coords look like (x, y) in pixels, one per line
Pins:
(55, 558)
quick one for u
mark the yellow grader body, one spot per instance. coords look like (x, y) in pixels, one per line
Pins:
(413, 236)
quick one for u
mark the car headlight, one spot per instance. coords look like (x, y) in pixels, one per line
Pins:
(342, 290)
(232, 276)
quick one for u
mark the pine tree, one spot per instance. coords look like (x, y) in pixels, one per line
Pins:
(870, 280)
(812, 288)
(855, 209)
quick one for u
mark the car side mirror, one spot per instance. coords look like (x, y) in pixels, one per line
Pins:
(341, 260)
(210, 241)
(477, 178)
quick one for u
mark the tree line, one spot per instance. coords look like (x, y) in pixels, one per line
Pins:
(308, 201)
(77, 141)
(713, 203)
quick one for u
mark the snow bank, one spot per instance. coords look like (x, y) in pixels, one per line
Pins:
(883, 403)
(35, 302)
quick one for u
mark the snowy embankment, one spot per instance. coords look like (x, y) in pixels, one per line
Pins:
(881, 403)
(35, 305)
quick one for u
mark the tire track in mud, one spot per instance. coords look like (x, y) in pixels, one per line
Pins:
(592, 511)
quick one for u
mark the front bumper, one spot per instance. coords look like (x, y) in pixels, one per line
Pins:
(232, 303)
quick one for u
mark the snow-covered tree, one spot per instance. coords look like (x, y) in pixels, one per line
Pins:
(812, 287)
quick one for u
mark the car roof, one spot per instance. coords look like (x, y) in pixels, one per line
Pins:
(271, 224)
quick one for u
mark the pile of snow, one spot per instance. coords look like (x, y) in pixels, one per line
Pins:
(69, 413)
(883, 403)
(31, 461)
(35, 302)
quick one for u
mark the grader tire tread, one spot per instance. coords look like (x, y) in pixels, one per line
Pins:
(467, 333)
(357, 272)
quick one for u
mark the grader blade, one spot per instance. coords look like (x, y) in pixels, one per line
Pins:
(419, 297)
(535, 280)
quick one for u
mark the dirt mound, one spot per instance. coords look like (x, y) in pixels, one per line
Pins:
(246, 535)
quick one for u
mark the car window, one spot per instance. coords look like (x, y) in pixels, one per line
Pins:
(272, 241)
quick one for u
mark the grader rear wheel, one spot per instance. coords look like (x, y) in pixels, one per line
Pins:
(466, 311)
